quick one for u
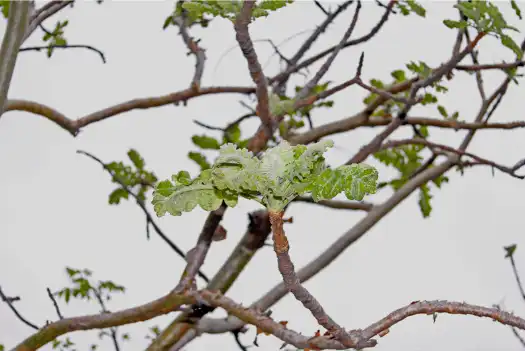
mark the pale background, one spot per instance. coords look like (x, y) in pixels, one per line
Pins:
(54, 211)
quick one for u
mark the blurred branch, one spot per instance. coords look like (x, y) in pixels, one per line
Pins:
(336, 204)
(68, 46)
(9, 301)
(149, 217)
(13, 37)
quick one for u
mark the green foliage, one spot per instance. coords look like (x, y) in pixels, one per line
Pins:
(406, 7)
(85, 289)
(4, 5)
(231, 135)
(61, 345)
(202, 11)
(406, 160)
(55, 37)
(2, 347)
(486, 17)
(509, 250)
(282, 173)
(420, 69)
(134, 177)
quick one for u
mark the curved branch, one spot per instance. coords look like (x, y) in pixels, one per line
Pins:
(164, 305)
(68, 46)
(74, 126)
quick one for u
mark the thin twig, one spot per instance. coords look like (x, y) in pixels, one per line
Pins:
(55, 303)
(336, 204)
(46, 11)
(9, 303)
(68, 46)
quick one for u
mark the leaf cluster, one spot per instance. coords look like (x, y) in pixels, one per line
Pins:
(486, 17)
(406, 160)
(202, 11)
(406, 7)
(282, 173)
(134, 177)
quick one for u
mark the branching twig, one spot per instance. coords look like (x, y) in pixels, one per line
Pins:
(43, 13)
(68, 46)
(149, 217)
(55, 303)
(9, 302)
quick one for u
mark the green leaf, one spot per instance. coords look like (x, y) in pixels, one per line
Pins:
(72, 272)
(442, 111)
(167, 22)
(509, 250)
(199, 159)
(417, 8)
(511, 44)
(137, 160)
(116, 195)
(4, 4)
(424, 201)
(206, 142)
(399, 75)
(516, 8)
(233, 134)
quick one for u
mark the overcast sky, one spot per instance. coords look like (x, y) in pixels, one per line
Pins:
(54, 211)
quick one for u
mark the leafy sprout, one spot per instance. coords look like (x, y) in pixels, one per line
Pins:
(283, 173)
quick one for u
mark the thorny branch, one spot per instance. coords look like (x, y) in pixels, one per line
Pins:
(149, 217)
(242, 35)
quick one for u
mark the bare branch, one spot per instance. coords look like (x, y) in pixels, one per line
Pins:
(245, 42)
(336, 204)
(74, 126)
(482, 67)
(195, 49)
(68, 46)
(9, 302)
(55, 303)
(13, 38)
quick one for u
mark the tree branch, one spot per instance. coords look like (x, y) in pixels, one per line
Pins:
(245, 42)
(55, 303)
(9, 302)
(68, 46)
(74, 126)
(335, 204)
(46, 11)
(13, 38)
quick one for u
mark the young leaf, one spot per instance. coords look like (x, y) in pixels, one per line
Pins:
(137, 160)
(199, 159)
(424, 200)
(206, 142)
(117, 195)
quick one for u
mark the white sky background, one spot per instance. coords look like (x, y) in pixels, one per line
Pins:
(54, 210)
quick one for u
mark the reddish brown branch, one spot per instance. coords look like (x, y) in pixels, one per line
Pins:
(195, 49)
(74, 126)
(245, 42)
(292, 283)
